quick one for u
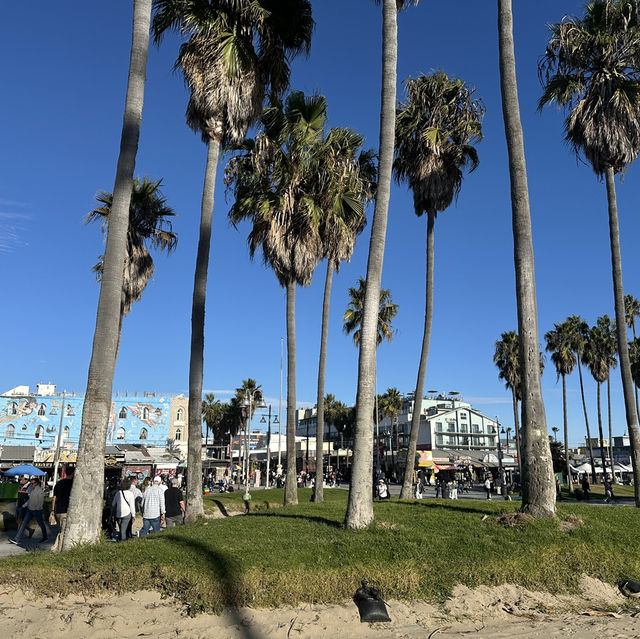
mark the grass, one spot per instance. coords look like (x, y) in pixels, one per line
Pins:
(280, 556)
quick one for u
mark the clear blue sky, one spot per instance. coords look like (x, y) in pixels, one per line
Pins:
(64, 69)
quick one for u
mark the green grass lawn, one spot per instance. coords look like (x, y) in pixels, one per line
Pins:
(277, 556)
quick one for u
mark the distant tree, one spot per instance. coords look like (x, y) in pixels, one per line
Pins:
(560, 345)
(558, 456)
(390, 405)
(212, 414)
(353, 316)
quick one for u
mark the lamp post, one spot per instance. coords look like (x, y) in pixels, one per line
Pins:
(499, 448)
(275, 421)
(249, 396)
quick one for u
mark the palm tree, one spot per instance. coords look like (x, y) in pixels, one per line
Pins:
(148, 211)
(560, 345)
(590, 68)
(212, 413)
(390, 405)
(507, 358)
(236, 52)
(344, 186)
(85, 506)
(435, 130)
(579, 331)
(273, 184)
(599, 356)
(354, 315)
(631, 311)
(360, 506)
(538, 484)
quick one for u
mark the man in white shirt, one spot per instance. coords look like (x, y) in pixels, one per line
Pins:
(153, 508)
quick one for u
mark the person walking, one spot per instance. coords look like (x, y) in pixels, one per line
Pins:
(586, 488)
(123, 507)
(487, 487)
(609, 497)
(383, 490)
(60, 505)
(174, 504)
(137, 494)
(35, 505)
(153, 507)
(23, 496)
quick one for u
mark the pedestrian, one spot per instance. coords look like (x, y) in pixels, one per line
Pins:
(153, 507)
(586, 488)
(60, 505)
(23, 496)
(137, 494)
(123, 508)
(609, 497)
(487, 487)
(438, 488)
(174, 504)
(35, 505)
(383, 490)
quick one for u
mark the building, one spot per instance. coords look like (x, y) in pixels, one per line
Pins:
(45, 418)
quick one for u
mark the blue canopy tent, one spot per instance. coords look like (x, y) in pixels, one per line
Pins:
(24, 469)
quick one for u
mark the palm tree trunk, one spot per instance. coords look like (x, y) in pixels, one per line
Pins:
(621, 332)
(600, 433)
(611, 462)
(407, 482)
(318, 493)
(586, 421)
(360, 506)
(516, 426)
(291, 486)
(393, 456)
(538, 485)
(566, 432)
(85, 507)
(194, 504)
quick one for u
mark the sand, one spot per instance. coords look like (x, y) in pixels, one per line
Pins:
(497, 612)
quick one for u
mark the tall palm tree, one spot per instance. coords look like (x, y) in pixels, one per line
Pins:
(273, 184)
(560, 345)
(435, 132)
(631, 311)
(85, 506)
(344, 186)
(236, 52)
(579, 332)
(507, 358)
(590, 68)
(538, 484)
(390, 405)
(599, 356)
(353, 316)
(148, 225)
(360, 506)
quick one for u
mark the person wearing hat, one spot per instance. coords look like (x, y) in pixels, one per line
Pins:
(174, 502)
(153, 507)
(383, 490)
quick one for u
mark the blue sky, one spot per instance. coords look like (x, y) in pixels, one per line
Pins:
(64, 68)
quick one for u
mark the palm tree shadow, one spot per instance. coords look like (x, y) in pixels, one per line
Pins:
(227, 574)
(320, 520)
(221, 507)
(444, 505)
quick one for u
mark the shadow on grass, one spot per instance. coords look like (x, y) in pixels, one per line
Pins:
(221, 507)
(227, 574)
(443, 504)
(319, 520)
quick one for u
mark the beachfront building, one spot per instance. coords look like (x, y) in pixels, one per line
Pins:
(38, 422)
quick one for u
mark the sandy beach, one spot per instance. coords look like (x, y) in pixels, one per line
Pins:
(498, 612)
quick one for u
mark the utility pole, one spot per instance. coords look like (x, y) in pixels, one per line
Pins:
(56, 458)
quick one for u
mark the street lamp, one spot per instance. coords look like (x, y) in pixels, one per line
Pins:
(275, 421)
(499, 448)
(248, 403)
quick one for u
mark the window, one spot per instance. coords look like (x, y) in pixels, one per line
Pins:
(451, 427)
(42, 410)
(39, 432)
(180, 415)
(439, 427)
(145, 413)
(464, 441)
(463, 428)
(463, 416)
(123, 413)
(143, 433)
(54, 411)
(65, 433)
(120, 433)
(475, 428)
(13, 409)
(178, 434)
(438, 440)
(10, 431)
(70, 412)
